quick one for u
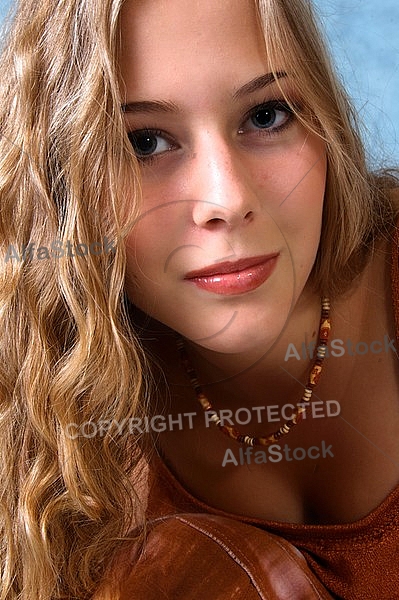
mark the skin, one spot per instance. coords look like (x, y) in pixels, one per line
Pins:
(221, 188)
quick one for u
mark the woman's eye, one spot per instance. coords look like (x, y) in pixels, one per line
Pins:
(147, 143)
(272, 116)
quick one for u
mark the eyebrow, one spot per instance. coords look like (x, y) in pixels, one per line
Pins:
(163, 106)
(258, 83)
(150, 106)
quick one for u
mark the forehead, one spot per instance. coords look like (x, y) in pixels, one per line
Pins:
(172, 42)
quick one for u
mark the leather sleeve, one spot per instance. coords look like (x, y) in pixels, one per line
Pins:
(206, 557)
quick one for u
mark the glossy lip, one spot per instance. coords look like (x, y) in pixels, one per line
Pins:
(238, 277)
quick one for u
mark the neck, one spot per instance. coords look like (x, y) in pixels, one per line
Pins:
(272, 374)
(297, 415)
(270, 360)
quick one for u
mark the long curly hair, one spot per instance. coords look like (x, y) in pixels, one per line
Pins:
(69, 352)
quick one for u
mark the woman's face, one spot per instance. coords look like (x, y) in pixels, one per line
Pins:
(232, 183)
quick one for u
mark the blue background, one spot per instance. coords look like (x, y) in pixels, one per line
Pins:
(364, 39)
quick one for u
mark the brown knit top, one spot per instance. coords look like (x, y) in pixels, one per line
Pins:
(355, 561)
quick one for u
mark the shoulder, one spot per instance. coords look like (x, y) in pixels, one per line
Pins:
(208, 556)
(200, 555)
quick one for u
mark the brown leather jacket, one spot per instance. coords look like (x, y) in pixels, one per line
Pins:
(207, 557)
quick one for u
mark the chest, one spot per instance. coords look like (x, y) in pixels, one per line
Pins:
(336, 466)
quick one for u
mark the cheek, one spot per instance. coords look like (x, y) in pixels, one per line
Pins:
(146, 253)
(293, 186)
(155, 233)
(301, 213)
(302, 204)
(151, 246)
(296, 173)
(294, 189)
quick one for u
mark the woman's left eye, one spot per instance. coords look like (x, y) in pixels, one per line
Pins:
(271, 116)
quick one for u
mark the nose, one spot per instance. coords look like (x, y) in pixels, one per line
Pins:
(220, 185)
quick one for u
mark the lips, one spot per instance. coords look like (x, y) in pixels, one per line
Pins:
(237, 277)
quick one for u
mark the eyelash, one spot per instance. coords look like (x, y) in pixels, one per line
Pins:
(149, 132)
(277, 105)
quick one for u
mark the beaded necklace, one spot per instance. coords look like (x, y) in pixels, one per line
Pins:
(313, 380)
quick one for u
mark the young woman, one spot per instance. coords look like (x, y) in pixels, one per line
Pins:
(200, 304)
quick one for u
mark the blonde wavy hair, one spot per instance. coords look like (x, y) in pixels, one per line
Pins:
(69, 352)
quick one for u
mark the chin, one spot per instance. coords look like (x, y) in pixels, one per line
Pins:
(242, 330)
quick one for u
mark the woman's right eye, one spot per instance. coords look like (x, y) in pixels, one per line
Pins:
(148, 143)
